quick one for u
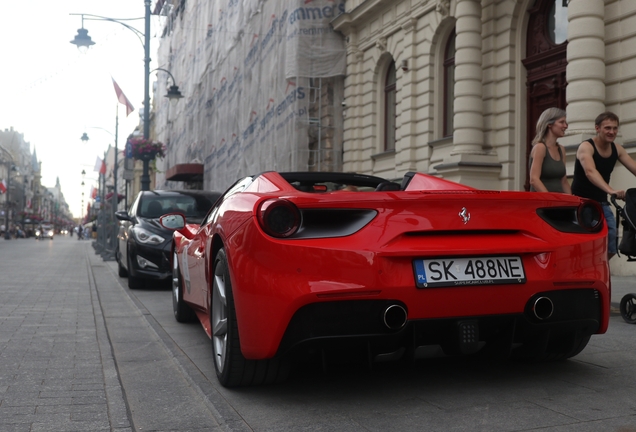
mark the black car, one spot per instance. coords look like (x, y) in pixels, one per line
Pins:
(143, 251)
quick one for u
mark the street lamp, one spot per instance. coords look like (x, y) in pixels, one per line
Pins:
(82, 208)
(108, 250)
(85, 138)
(173, 94)
(84, 41)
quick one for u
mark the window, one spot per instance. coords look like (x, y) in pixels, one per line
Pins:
(449, 85)
(390, 101)
(558, 22)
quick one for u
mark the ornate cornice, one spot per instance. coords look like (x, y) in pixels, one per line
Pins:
(443, 7)
(381, 44)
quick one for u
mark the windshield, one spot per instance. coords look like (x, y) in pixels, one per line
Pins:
(194, 207)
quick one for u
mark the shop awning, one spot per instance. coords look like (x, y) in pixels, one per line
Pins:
(185, 172)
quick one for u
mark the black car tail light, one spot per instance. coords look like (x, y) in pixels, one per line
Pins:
(279, 218)
(590, 216)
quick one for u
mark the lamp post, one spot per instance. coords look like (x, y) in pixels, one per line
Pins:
(107, 248)
(173, 91)
(100, 244)
(109, 253)
(82, 208)
(84, 41)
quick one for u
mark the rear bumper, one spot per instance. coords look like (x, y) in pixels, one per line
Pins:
(273, 280)
(575, 314)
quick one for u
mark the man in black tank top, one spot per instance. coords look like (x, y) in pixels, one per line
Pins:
(595, 161)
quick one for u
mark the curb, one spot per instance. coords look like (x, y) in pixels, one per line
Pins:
(225, 415)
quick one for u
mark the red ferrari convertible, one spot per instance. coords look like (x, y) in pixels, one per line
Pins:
(331, 263)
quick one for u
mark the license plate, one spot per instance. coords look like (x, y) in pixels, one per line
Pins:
(469, 271)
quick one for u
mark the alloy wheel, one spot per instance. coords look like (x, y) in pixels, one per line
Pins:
(175, 277)
(219, 316)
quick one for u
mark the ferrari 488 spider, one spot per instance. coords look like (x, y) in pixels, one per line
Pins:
(288, 263)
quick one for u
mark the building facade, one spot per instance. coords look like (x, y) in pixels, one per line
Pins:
(262, 84)
(26, 203)
(454, 88)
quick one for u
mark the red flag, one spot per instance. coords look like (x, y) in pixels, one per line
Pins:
(121, 97)
(100, 166)
(3, 187)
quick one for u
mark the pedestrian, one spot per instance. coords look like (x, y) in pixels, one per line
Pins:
(595, 161)
(547, 158)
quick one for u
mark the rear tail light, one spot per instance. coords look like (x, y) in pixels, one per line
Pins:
(590, 216)
(279, 218)
(587, 217)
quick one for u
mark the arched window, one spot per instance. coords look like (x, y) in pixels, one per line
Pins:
(390, 101)
(449, 85)
(558, 22)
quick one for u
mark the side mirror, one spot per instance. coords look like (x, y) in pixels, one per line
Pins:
(122, 215)
(172, 221)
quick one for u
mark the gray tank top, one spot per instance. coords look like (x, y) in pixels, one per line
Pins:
(552, 171)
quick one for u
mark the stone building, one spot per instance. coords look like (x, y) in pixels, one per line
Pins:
(448, 87)
(262, 85)
(454, 87)
(26, 202)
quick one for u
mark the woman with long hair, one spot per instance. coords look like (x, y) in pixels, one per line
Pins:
(547, 158)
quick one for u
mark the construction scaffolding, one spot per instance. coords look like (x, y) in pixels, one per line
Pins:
(263, 86)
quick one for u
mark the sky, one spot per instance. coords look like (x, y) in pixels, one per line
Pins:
(52, 94)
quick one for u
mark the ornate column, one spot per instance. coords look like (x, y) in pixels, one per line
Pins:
(469, 163)
(406, 145)
(468, 119)
(585, 71)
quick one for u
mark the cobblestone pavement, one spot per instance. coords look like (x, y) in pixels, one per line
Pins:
(56, 370)
(76, 354)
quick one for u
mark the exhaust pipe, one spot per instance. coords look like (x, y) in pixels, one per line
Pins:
(543, 308)
(394, 317)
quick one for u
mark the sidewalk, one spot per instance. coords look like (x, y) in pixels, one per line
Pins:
(622, 285)
(56, 367)
(77, 353)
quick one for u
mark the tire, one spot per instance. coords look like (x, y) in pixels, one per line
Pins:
(182, 312)
(628, 308)
(121, 271)
(133, 282)
(232, 369)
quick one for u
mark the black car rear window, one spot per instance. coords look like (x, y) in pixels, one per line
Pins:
(192, 206)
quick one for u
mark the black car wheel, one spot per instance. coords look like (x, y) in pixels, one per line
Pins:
(133, 281)
(628, 308)
(232, 369)
(182, 312)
